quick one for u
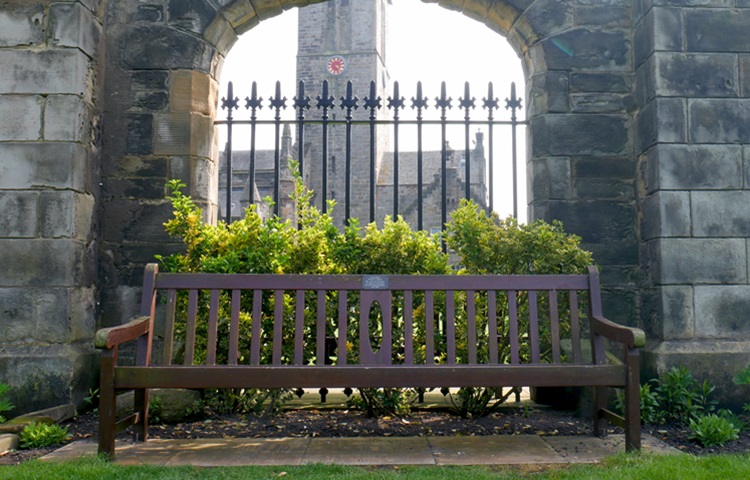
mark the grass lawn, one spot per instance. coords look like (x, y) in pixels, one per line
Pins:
(651, 467)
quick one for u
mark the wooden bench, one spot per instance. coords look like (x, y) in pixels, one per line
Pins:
(420, 319)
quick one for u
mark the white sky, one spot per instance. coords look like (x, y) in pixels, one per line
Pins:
(426, 43)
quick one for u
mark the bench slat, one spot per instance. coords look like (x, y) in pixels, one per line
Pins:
(213, 320)
(343, 304)
(408, 327)
(471, 317)
(320, 332)
(234, 328)
(299, 327)
(190, 328)
(423, 376)
(257, 331)
(533, 326)
(278, 326)
(450, 326)
(513, 328)
(554, 326)
(492, 325)
(575, 327)
(166, 352)
(429, 327)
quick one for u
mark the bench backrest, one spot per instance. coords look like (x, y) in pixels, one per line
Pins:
(369, 319)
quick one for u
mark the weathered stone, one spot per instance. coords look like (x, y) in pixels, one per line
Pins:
(49, 164)
(721, 214)
(721, 311)
(72, 25)
(140, 167)
(193, 92)
(140, 140)
(603, 189)
(23, 222)
(143, 188)
(266, 9)
(183, 134)
(22, 26)
(58, 414)
(676, 308)
(31, 263)
(549, 93)
(16, 425)
(151, 101)
(687, 167)
(66, 214)
(604, 167)
(603, 222)
(600, 82)
(45, 72)
(149, 13)
(661, 121)
(502, 15)
(685, 261)
(603, 15)
(668, 32)
(150, 80)
(544, 18)
(221, 35)
(67, 118)
(745, 76)
(717, 30)
(696, 74)
(615, 252)
(577, 135)
(590, 49)
(43, 376)
(17, 314)
(8, 442)
(719, 120)
(601, 103)
(171, 405)
(550, 178)
(177, 50)
(241, 15)
(666, 214)
(22, 117)
(191, 15)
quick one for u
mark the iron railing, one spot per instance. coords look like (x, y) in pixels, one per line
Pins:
(326, 120)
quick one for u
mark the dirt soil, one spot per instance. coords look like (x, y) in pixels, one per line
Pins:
(352, 423)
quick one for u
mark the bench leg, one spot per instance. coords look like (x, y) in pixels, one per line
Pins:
(107, 404)
(633, 402)
(600, 404)
(141, 407)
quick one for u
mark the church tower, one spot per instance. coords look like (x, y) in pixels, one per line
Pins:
(341, 41)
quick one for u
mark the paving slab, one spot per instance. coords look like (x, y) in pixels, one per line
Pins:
(497, 450)
(370, 451)
(584, 449)
(241, 451)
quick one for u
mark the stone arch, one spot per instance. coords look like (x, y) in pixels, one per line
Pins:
(164, 57)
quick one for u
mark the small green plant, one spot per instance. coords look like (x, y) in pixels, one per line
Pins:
(712, 430)
(5, 404)
(681, 398)
(39, 435)
(382, 401)
(743, 378)
(735, 419)
(650, 410)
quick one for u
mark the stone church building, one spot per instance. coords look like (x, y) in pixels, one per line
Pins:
(639, 141)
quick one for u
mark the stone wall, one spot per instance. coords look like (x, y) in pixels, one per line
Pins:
(638, 141)
(50, 87)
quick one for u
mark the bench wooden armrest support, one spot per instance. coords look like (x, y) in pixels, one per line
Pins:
(631, 337)
(112, 336)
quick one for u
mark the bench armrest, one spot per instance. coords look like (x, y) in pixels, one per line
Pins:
(632, 337)
(109, 337)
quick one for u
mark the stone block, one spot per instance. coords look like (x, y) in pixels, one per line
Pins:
(662, 120)
(149, 13)
(643, 39)
(42, 263)
(22, 117)
(65, 315)
(19, 218)
(150, 80)
(714, 360)
(151, 101)
(580, 135)
(717, 30)
(604, 167)
(140, 134)
(73, 25)
(696, 74)
(603, 189)
(621, 305)
(645, 84)
(203, 176)
(666, 214)
(241, 15)
(191, 15)
(685, 261)
(172, 405)
(676, 312)
(193, 92)
(695, 167)
(17, 314)
(581, 48)
(551, 178)
(8, 442)
(64, 71)
(221, 35)
(623, 252)
(49, 164)
(603, 15)
(745, 76)
(668, 31)
(67, 118)
(44, 376)
(719, 120)
(177, 50)
(721, 311)
(183, 134)
(67, 214)
(545, 18)
(598, 222)
(549, 93)
(22, 25)
(601, 103)
(721, 214)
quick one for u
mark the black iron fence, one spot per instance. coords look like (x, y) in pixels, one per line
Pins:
(318, 117)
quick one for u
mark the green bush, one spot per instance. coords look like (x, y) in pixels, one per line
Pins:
(5, 404)
(485, 244)
(743, 378)
(681, 397)
(38, 435)
(712, 430)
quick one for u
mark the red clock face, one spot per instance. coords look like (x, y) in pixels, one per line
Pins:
(336, 65)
